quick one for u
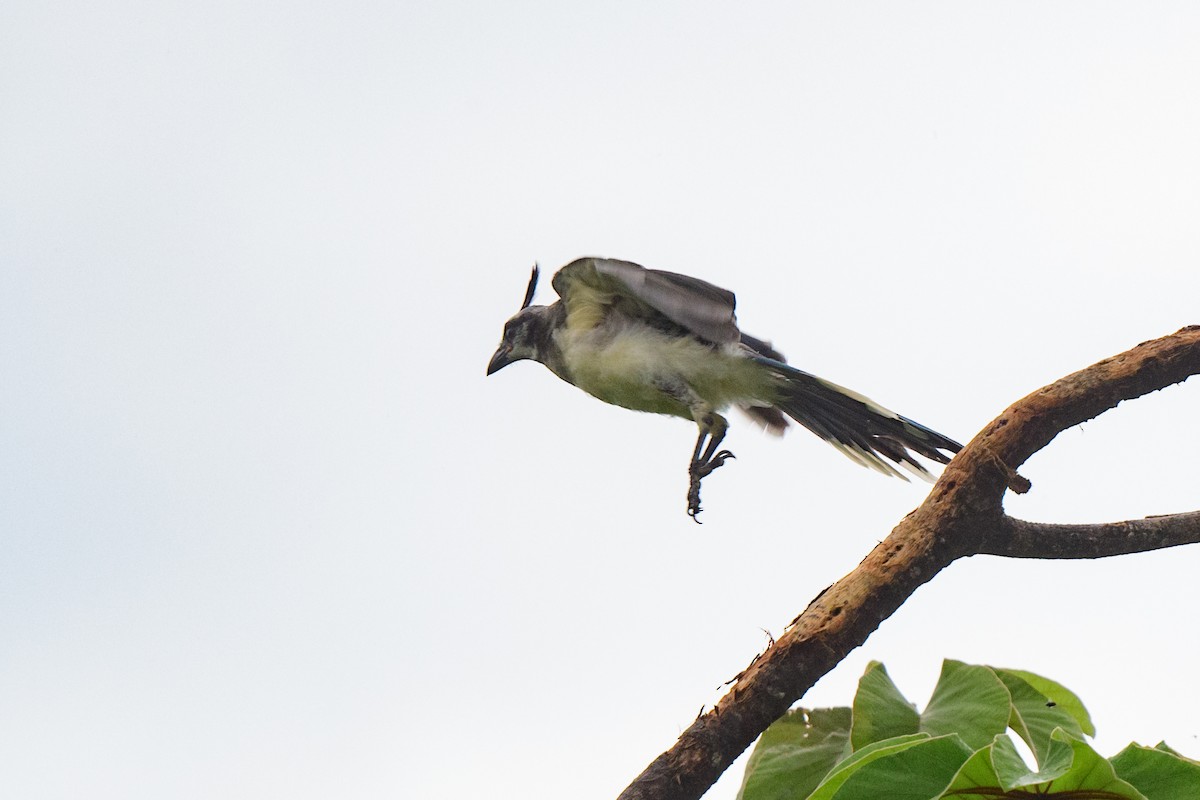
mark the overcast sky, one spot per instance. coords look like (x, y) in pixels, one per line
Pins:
(268, 531)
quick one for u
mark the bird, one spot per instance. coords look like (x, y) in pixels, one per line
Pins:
(666, 343)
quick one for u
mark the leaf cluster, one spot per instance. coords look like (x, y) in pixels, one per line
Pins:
(958, 748)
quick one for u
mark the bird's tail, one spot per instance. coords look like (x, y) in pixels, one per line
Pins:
(864, 430)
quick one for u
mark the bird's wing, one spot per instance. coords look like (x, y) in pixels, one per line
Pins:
(589, 286)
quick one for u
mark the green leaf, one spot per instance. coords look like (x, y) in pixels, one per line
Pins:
(880, 711)
(1008, 768)
(1090, 772)
(1157, 773)
(834, 780)
(795, 753)
(1013, 772)
(1076, 770)
(918, 770)
(1034, 716)
(976, 772)
(1166, 748)
(970, 701)
(1062, 697)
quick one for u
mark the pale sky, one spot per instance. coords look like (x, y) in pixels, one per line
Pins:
(268, 531)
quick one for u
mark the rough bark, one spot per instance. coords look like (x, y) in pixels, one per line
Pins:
(962, 516)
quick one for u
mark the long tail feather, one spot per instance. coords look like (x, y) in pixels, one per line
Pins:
(862, 429)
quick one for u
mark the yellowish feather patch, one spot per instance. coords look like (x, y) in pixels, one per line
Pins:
(633, 367)
(587, 307)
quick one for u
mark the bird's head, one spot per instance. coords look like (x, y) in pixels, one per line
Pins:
(523, 333)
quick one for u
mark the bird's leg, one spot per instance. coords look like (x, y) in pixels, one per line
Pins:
(702, 465)
(705, 458)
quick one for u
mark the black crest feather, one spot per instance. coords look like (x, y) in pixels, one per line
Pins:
(533, 279)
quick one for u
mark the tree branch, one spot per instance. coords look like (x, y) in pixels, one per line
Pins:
(1017, 538)
(962, 516)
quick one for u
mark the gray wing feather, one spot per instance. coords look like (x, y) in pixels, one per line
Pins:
(704, 309)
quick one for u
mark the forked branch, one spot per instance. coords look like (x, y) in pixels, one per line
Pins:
(962, 516)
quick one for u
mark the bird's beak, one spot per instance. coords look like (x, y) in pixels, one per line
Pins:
(500, 359)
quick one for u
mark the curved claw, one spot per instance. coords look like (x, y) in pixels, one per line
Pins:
(702, 470)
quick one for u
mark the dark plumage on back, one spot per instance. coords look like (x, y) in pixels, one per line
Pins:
(696, 305)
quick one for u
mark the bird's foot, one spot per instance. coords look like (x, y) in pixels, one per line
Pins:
(702, 470)
(697, 472)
